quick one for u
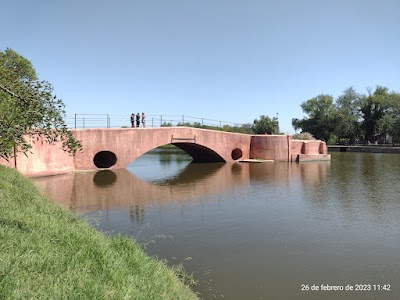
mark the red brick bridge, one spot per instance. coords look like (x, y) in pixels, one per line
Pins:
(117, 148)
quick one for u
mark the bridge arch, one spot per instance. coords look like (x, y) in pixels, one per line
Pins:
(200, 153)
(105, 159)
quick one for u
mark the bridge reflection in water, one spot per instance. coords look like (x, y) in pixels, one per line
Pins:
(107, 189)
(253, 231)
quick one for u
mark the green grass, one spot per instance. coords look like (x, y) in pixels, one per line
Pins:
(47, 252)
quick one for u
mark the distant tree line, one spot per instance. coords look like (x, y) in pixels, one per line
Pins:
(242, 128)
(263, 125)
(353, 118)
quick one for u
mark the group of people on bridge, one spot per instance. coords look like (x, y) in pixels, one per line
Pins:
(137, 118)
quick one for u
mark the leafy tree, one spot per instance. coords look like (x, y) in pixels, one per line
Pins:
(389, 124)
(265, 125)
(353, 116)
(348, 116)
(373, 109)
(28, 108)
(320, 120)
(396, 129)
(385, 126)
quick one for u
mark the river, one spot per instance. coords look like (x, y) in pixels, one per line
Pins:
(282, 230)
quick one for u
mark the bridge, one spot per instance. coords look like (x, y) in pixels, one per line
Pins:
(117, 147)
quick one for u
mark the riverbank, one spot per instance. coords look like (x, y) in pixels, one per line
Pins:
(48, 252)
(367, 149)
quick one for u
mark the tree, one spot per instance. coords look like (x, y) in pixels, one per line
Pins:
(265, 125)
(320, 120)
(28, 108)
(348, 115)
(389, 124)
(373, 109)
(396, 129)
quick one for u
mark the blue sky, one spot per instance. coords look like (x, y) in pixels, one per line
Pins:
(227, 60)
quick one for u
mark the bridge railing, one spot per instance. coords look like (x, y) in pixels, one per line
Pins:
(81, 121)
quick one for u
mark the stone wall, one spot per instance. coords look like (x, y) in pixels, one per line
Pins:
(270, 147)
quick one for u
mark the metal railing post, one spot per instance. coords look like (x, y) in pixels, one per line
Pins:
(75, 121)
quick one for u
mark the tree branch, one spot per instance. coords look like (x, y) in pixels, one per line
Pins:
(11, 93)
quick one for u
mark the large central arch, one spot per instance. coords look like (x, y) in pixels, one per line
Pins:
(200, 153)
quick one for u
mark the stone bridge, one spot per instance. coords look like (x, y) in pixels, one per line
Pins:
(117, 148)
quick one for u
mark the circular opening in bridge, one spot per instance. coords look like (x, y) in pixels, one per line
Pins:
(104, 178)
(236, 154)
(104, 159)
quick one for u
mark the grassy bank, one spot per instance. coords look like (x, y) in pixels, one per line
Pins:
(46, 252)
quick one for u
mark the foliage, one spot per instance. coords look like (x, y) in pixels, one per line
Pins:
(304, 136)
(348, 116)
(389, 124)
(372, 109)
(265, 125)
(352, 117)
(243, 128)
(320, 121)
(28, 108)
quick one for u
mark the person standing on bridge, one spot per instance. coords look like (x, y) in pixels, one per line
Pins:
(133, 120)
(143, 120)
(137, 120)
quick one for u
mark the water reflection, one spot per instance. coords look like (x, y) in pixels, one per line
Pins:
(254, 230)
(191, 173)
(104, 178)
(108, 189)
(136, 213)
(327, 189)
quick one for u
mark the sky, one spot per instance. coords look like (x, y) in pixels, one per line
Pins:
(229, 60)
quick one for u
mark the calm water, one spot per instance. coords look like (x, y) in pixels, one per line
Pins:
(255, 231)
